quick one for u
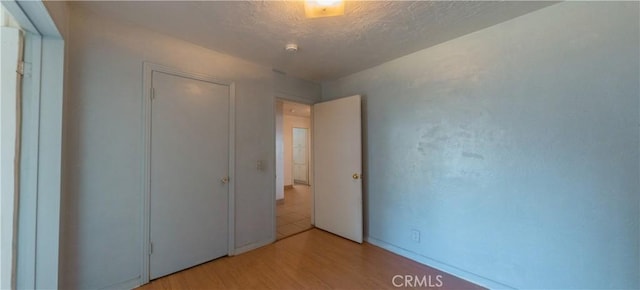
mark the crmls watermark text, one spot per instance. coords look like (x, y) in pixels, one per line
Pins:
(415, 281)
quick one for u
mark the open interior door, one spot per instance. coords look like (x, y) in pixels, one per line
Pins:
(338, 167)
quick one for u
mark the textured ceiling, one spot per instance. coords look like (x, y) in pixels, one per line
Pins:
(370, 32)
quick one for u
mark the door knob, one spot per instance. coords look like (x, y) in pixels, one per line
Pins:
(225, 180)
(355, 176)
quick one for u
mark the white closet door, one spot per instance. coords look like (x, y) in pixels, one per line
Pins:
(189, 169)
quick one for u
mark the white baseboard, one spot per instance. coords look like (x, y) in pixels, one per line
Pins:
(136, 282)
(473, 278)
(128, 284)
(252, 246)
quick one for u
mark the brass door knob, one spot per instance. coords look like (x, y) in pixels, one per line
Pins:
(355, 176)
(225, 180)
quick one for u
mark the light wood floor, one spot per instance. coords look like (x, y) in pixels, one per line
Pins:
(294, 214)
(309, 260)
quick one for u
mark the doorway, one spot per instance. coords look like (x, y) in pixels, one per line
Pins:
(294, 194)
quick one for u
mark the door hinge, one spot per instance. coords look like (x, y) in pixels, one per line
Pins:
(152, 93)
(150, 248)
(24, 69)
(20, 68)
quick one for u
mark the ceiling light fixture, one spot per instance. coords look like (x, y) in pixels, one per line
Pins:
(323, 8)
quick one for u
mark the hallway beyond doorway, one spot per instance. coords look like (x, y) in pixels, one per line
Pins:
(293, 213)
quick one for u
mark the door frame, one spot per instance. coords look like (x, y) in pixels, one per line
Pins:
(148, 69)
(300, 100)
(38, 256)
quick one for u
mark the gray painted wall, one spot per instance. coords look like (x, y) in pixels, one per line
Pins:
(294, 89)
(102, 206)
(514, 150)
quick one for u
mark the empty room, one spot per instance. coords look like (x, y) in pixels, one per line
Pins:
(320, 144)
